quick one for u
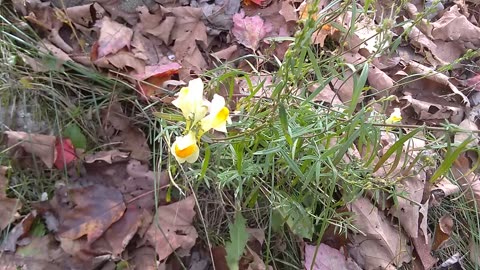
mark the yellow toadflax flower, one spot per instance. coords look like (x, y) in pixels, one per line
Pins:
(395, 117)
(191, 102)
(185, 148)
(218, 116)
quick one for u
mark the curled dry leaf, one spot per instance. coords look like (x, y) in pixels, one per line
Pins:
(41, 146)
(327, 258)
(380, 245)
(467, 124)
(173, 228)
(107, 156)
(249, 31)
(8, 206)
(95, 209)
(443, 230)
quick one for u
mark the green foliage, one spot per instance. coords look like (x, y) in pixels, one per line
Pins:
(238, 241)
(75, 134)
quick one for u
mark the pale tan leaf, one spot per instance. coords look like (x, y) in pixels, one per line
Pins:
(41, 146)
(379, 245)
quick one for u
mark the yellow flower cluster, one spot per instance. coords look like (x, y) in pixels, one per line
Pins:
(201, 116)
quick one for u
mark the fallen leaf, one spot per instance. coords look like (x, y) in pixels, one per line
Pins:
(453, 26)
(173, 228)
(107, 156)
(407, 209)
(474, 82)
(380, 245)
(95, 209)
(467, 124)
(20, 230)
(443, 230)
(75, 134)
(189, 30)
(134, 141)
(65, 153)
(144, 258)
(326, 258)
(41, 146)
(117, 237)
(218, 15)
(113, 37)
(8, 206)
(288, 11)
(122, 60)
(422, 248)
(249, 31)
(43, 253)
(474, 250)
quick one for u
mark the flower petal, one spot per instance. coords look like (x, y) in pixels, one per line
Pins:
(185, 148)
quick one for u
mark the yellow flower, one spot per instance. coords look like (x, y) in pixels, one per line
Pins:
(191, 102)
(218, 116)
(185, 148)
(395, 117)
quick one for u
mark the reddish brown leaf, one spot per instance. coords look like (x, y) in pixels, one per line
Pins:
(65, 153)
(173, 228)
(95, 209)
(144, 258)
(443, 230)
(20, 230)
(249, 31)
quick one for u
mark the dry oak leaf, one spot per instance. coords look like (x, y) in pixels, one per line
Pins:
(453, 26)
(189, 30)
(249, 31)
(173, 228)
(41, 146)
(380, 245)
(107, 156)
(117, 237)
(443, 230)
(95, 209)
(113, 37)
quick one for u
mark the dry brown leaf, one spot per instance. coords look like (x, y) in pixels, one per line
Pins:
(189, 30)
(82, 15)
(218, 14)
(226, 54)
(454, 26)
(117, 237)
(8, 206)
(144, 258)
(41, 146)
(121, 60)
(344, 87)
(327, 258)
(107, 156)
(468, 180)
(408, 209)
(419, 69)
(173, 228)
(156, 23)
(42, 253)
(433, 112)
(380, 245)
(443, 188)
(325, 95)
(288, 11)
(423, 249)
(250, 31)
(443, 230)
(467, 124)
(134, 141)
(20, 230)
(113, 37)
(95, 209)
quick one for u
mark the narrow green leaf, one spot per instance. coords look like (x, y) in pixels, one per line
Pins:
(75, 134)
(206, 160)
(395, 146)
(284, 123)
(169, 116)
(449, 159)
(357, 89)
(238, 241)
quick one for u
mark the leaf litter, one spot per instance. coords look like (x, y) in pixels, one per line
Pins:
(111, 203)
